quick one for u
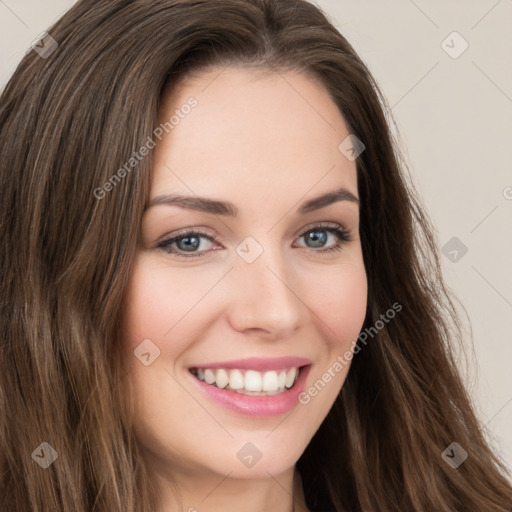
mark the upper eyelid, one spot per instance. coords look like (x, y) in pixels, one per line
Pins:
(205, 231)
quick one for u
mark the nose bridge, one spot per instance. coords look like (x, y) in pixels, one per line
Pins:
(264, 296)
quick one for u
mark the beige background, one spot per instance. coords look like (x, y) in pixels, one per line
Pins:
(455, 120)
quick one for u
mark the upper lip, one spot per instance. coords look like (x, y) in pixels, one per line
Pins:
(258, 363)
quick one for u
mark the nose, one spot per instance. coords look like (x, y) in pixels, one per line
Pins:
(264, 297)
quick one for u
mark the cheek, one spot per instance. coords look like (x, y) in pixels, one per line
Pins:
(160, 304)
(340, 304)
(340, 310)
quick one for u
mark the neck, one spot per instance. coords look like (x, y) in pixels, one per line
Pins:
(218, 493)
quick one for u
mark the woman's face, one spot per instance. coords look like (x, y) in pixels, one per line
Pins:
(264, 285)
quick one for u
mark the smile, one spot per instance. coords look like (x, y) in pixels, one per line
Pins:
(249, 382)
(255, 387)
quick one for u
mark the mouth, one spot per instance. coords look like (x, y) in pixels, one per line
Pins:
(249, 382)
(256, 387)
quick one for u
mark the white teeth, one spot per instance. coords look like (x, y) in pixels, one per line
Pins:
(252, 382)
(221, 378)
(281, 380)
(270, 381)
(236, 379)
(209, 376)
(290, 377)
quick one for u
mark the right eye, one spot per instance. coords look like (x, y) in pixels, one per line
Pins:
(186, 242)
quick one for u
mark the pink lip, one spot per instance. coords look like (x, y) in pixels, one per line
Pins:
(259, 364)
(258, 406)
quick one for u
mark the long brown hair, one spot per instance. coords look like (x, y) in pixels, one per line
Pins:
(68, 122)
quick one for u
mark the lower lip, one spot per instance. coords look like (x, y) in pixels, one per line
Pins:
(258, 406)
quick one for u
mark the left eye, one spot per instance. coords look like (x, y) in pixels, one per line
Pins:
(319, 236)
(190, 242)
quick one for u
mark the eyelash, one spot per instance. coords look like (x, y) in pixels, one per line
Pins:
(342, 234)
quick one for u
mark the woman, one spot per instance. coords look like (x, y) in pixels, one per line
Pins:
(218, 291)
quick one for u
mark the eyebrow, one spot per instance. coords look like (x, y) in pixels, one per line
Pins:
(205, 205)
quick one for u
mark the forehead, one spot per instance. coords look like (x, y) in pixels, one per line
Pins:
(250, 130)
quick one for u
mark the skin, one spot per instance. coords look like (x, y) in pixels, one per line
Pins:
(266, 142)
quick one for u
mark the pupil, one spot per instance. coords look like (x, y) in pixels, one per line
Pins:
(318, 238)
(187, 245)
